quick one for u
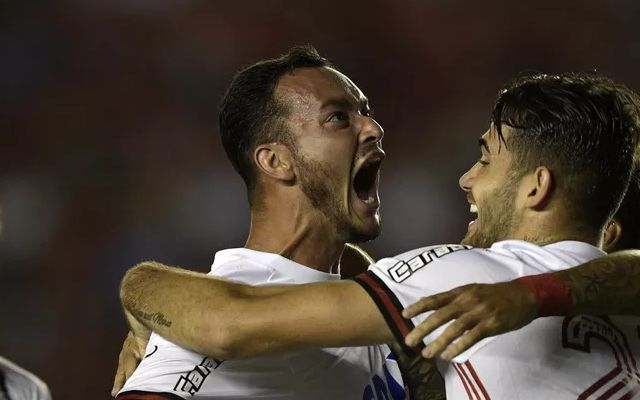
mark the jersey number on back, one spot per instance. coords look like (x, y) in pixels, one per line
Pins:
(578, 333)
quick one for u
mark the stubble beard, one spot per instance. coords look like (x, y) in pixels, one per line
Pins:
(498, 218)
(316, 183)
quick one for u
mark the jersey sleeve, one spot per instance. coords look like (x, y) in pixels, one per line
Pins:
(395, 283)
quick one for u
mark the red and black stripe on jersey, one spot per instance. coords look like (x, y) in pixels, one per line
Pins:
(142, 395)
(390, 307)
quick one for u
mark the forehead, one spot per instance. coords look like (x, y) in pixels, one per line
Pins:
(491, 138)
(316, 86)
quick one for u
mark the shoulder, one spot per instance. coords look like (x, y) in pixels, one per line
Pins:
(449, 264)
(244, 269)
(22, 384)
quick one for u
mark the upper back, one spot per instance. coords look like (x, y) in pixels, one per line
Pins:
(552, 358)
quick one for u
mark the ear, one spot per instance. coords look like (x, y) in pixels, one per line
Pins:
(611, 236)
(539, 187)
(275, 161)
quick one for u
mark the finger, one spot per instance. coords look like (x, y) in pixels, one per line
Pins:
(117, 384)
(467, 340)
(428, 303)
(141, 348)
(456, 329)
(129, 365)
(118, 381)
(434, 321)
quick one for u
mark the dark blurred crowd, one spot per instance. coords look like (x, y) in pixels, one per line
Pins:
(109, 150)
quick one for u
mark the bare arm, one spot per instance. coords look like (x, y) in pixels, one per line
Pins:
(607, 285)
(230, 320)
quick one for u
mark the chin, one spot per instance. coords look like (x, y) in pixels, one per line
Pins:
(365, 234)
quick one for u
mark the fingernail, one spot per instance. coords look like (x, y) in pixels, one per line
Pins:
(427, 353)
(445, 355)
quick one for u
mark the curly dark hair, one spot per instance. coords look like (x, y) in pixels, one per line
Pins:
(583, 127)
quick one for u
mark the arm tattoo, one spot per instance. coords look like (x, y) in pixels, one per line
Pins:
(420, 375)
(607, 285)
(151, 318)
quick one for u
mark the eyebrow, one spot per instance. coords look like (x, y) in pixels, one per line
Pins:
(483, 143)
(362, 102)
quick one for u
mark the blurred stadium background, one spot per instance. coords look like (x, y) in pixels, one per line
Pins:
(109, 150)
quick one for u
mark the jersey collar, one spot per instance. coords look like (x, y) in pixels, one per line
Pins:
(290, 268)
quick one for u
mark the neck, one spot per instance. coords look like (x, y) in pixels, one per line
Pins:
(298, 232)
(553, 228)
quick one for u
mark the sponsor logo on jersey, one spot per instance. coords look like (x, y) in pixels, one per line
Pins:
(192, 381)
(402, 270)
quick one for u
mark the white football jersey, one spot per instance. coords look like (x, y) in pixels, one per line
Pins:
(16, 383)
(553, 358)
(169, 371)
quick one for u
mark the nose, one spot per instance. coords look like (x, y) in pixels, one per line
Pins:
(466, 180)
(371, 131)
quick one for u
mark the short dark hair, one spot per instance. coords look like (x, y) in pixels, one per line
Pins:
(249, 113)
(583, 127)
(628, 215)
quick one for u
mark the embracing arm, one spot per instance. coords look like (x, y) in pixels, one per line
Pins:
(606, 285)
(230, 320)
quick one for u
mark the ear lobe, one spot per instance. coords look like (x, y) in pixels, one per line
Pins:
(275, 161)
(611, 236)
(542, 183)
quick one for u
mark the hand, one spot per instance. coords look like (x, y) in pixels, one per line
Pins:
(133, 349)
(479, 310)
(132, 352)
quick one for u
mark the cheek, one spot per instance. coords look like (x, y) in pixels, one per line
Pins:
(327, 148)
(334, 152)
(338, 159)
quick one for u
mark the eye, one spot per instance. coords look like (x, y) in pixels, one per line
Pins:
(483, 162)
(338, 116)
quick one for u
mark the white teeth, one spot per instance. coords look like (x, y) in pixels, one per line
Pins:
(473, 208)
(370, 200)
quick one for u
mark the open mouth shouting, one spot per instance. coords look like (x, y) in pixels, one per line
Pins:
(366, 180)
(473, 209)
